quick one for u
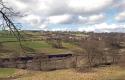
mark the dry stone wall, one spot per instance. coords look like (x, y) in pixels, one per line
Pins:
(49, 62)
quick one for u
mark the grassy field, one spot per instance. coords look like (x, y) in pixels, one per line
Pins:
(11, 48)
(103, 73)
(5, 72)
(37, 44)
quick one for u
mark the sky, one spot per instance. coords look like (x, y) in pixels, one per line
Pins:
(70, 15)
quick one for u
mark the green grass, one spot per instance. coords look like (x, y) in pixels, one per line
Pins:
(5, 72)
(37, 44)
(30, 44)
(3, 39)
(39, 47)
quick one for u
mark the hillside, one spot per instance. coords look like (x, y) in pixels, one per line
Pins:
(11, 47)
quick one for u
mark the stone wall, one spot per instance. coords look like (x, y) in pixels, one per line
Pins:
(52, 62)
(49, 62)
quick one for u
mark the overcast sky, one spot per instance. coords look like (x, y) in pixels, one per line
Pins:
(75, 15)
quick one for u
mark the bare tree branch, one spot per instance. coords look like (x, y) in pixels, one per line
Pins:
(7, 12)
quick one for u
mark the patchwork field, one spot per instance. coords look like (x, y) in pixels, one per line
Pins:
(10, 46)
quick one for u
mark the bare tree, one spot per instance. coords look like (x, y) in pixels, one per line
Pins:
(114, 48)
(94, 51)
(6, 13)
(55, 41)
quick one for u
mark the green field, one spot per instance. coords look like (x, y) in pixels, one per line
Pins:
(5, 72)
(10, 46)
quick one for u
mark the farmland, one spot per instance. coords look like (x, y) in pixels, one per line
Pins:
(37, 43)
(62, 40)
(10, 45)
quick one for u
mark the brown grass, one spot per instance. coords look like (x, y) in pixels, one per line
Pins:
(104, 73)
